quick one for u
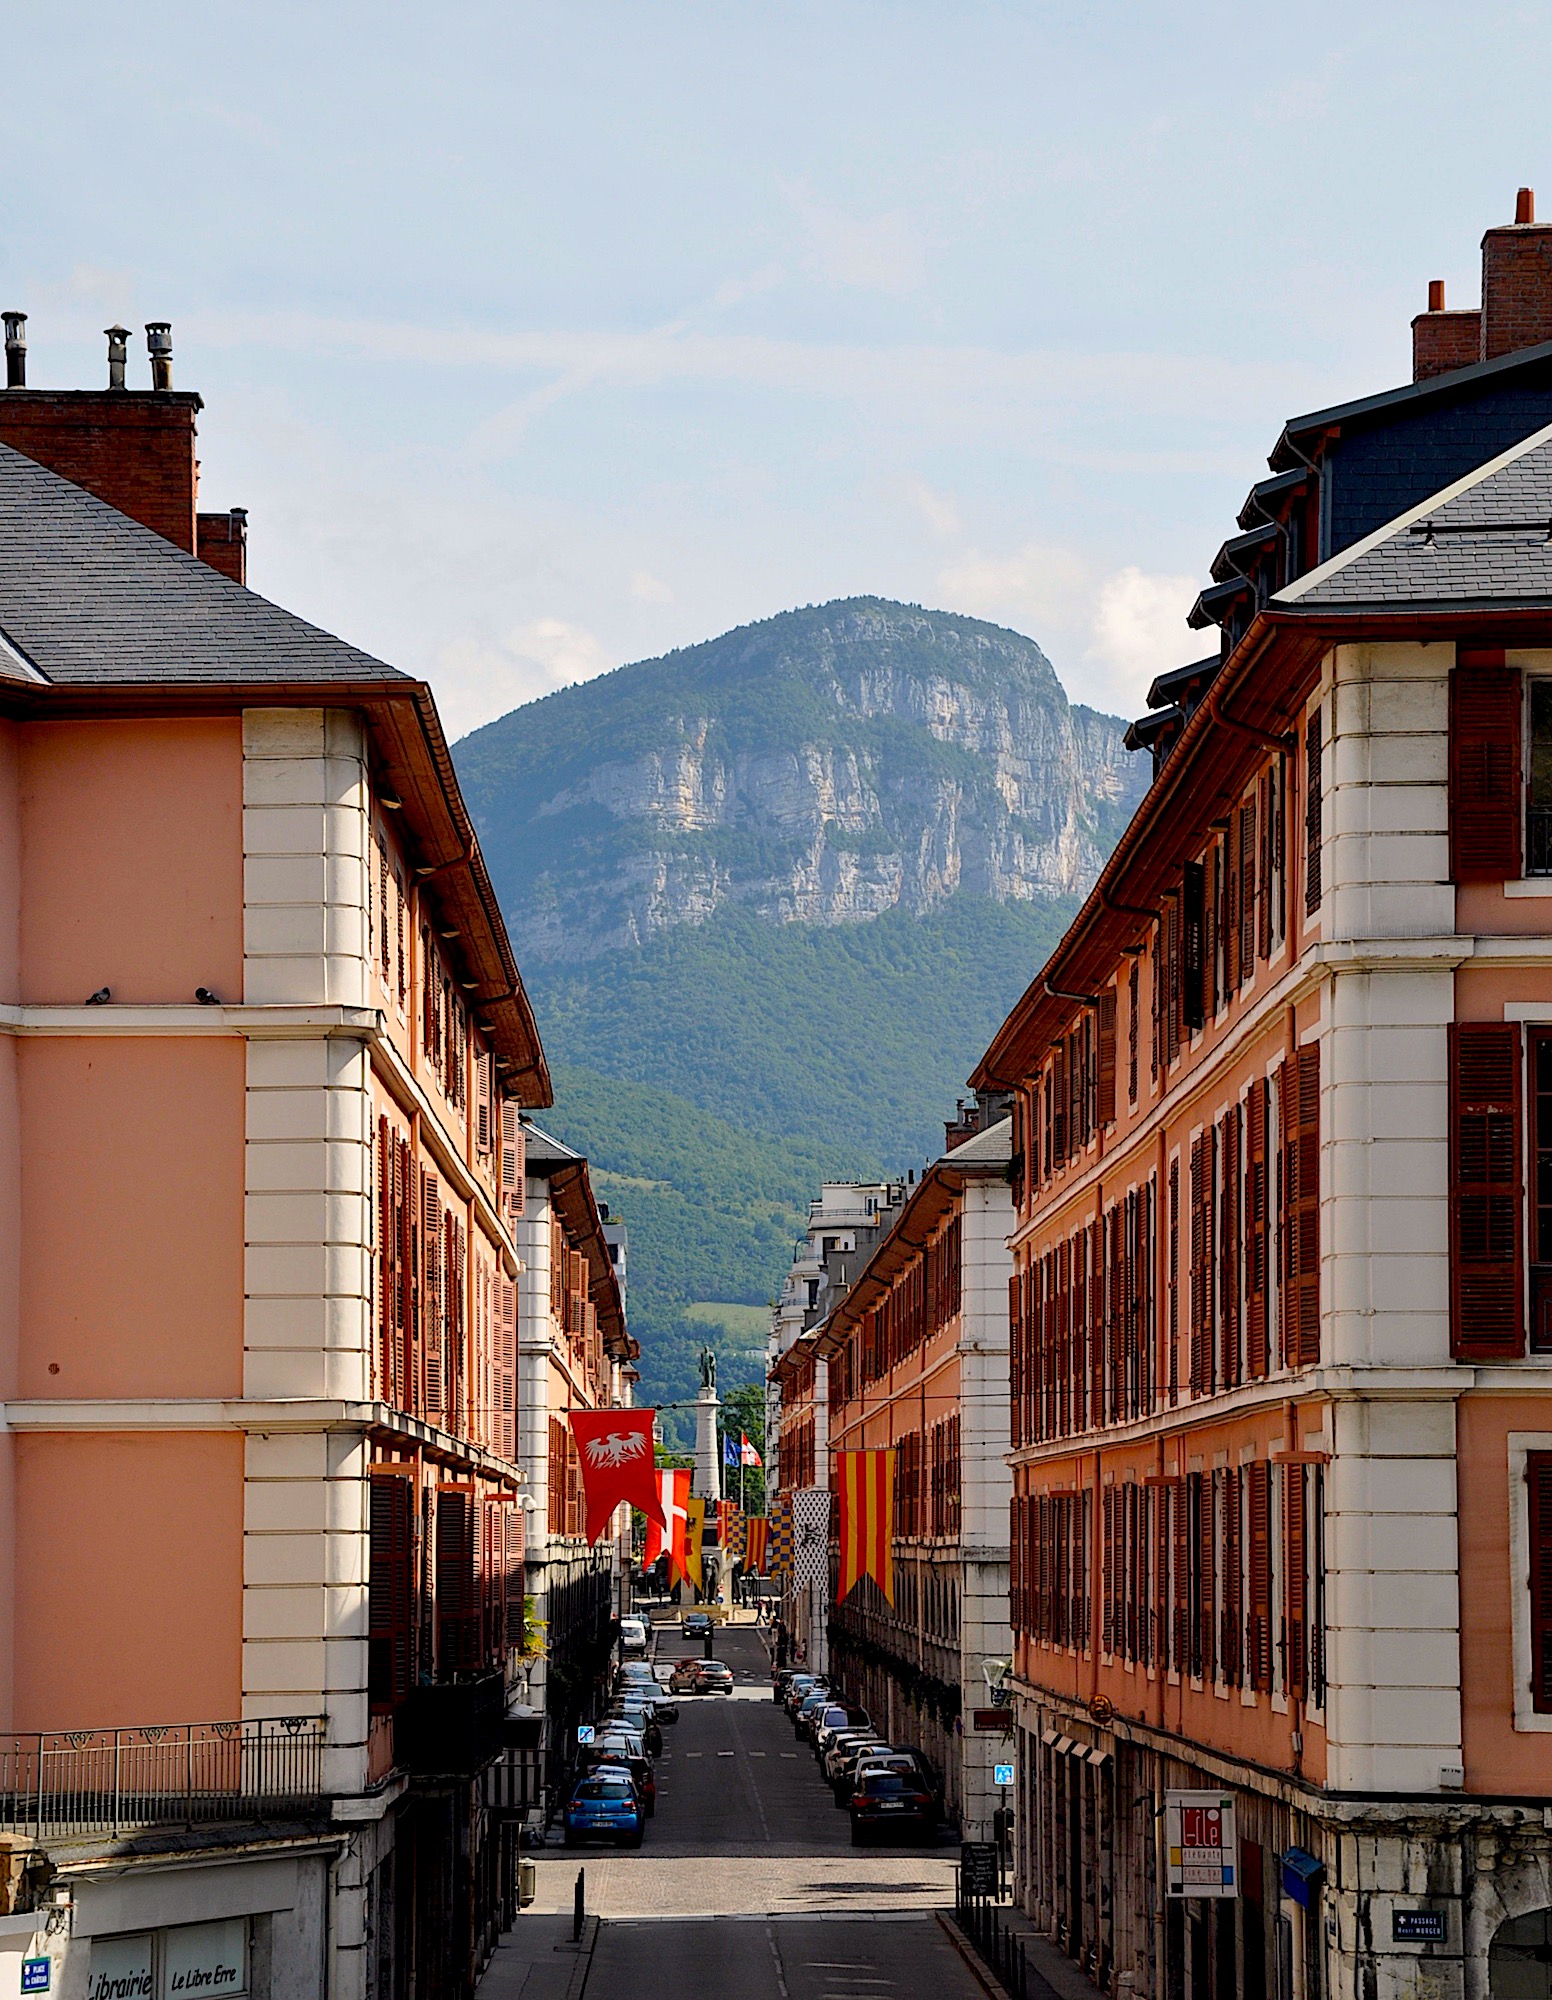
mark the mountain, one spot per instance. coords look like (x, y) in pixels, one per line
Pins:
(772, 895)
(820, 767)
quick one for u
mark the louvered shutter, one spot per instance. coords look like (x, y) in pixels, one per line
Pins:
(385, 959)
(1313, 806)
(1231, 904)
(1256, 1354)
(407, 1291)
(458, 1603)
(383, 1229)
(1487, 1203)
(1107, 1599)
(1486, 809)
(1193, 924)
(514, 1165)
(1258, 1507)
(1264, 868)
(1180, 1565)
(1307, 1217)
(1172, 975)
(506, 1405)
(1205, 1495)
(433, 1309)
(1106, 1090)
(1201, 1266)
(1296, 1585)
(389, 1596)
(1229, 1248)
(1059, 1093)
(1247, 890)
(1211, 896)
(1231, 1632)
(1538, 1486)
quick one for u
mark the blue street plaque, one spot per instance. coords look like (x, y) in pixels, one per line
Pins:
(1417, 1927)
(1002, 1774)
(35, 1975)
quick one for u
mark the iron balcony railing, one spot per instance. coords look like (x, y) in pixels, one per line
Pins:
(1538, 840)
(78, 1782)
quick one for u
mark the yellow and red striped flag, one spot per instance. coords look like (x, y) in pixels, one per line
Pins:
(865, 1483)
(755, 1530)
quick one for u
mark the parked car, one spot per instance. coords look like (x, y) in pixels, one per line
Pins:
(844, 1745)
(604, 1805)
(829, 1722)
(624, 1747)
(907, 1762)
(798, 1685)
(685, 1678)
(781, 1679)
(808, 1705)
(885, 1799)
(695, 1625)
(714, 1677)
(633, 1636)
(636, 1674)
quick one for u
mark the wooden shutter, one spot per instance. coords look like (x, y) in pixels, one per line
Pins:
(1205, 1493)
(1193, 922)
(385, 1239)
(1256, 1356)
(1181, 1580)
(389, 1594)
(1296, 1578)
(1258, 1507)
(1201, 1265)
(1264, 872)
(1247, 890)
(1172, 979)
(506, 1373)
(1231, 905)
(433, 1309)
(458, 1595)
(1487, 1200)
(1059, 1100)
(1211, 897)
(1106, 1089)
(406, 1290)
(1313, 781)
(1133, 989)
(1229, 1223)
(1538, 1485)
(1299, 1095)
(1107, 1600)
(1231, 1630)
(1486, 811)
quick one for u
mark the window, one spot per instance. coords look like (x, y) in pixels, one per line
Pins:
(1538, 1492)
(1538, 801)
(1541, 1196)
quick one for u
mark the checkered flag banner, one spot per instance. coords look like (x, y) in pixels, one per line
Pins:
(811, 1534)
(732, 1531)
(779, 1547)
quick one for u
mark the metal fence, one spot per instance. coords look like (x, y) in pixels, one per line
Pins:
(999, 1945)
(103, 1781)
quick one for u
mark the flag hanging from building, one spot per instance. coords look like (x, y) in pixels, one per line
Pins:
(756, 1532)
(865, 1484)
(694, 1535)
(810, 1535)
(666, 1536)
(780, 1543)
(747, 1455)
(733, 1530)
(615, 1448)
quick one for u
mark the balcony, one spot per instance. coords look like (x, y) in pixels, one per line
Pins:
(451, 1728)
(79, 1783)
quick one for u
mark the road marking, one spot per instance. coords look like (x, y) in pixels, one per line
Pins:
(757, 1753)
(781, 1976)
(724, 1753)
(790, 1755)
(694, 1753)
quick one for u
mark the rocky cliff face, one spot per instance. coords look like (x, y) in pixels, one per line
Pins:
(821, 767)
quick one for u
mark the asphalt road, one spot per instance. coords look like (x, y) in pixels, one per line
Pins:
(897, 1958)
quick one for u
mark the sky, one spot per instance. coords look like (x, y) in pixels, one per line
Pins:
(538, 338)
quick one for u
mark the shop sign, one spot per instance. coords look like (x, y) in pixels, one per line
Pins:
(1417, 1927)
(121, 1969)
(35, 1974)
(1200, 1843)
(206, 1958)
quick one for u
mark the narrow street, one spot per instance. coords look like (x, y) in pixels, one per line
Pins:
(748, 1876)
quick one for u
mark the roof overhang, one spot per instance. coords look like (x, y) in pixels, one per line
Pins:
(571, 1191)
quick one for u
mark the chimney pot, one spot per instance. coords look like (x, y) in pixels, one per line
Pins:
(1525, 205)
(1436, 295)
(118, 354)
(15, 349)
(159, 343)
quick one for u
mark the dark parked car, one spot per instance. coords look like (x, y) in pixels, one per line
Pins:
(907, 1763)
(695, 1625)
(604, 1805)
(808, 1705)
(713, 1677)
(885, 1799)
(626, 1750)
(829, 1723)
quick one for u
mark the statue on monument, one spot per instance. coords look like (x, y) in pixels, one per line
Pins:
(708, 1370)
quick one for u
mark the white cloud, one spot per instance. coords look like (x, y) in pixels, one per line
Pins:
(1139, 631)
(646, 588)
(477, 680)
(1040, 588)
(936, 509)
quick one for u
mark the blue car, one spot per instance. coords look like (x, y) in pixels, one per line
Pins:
(605, 1805)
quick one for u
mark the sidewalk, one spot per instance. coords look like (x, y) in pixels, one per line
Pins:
(1052, 1975)
(536, 1960)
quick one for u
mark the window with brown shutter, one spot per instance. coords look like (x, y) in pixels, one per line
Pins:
(1180, 1565)
(1266, 864)
(1172, 1327)
(1059, 1094)
(1538, 1493)
(1105, 1090)
(1133, 985)
(1108, 1576)
(1172, 976)
(433, 1306)
(1201, 1264)
(1230, 900)
(1198, 1559)
(1313, 802)
(1258, 1630)
(1212, 897)
(1487, 1243)
(1256, 1355)
(1299, 1095)
(1228, 1247)
(1231, 1621)
(1486, 809)
(1193, 919)
(460, 1598)
(1247, 890)
(389, 1589)
(1296, 1580)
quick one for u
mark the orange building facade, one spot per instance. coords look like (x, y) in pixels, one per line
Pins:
(261, 1493)
(1281, 1413)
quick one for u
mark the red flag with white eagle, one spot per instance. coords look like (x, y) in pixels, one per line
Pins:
(615, 1447)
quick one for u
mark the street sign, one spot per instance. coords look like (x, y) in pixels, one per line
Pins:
(1000, 1719)
(978, 1868)
(584, 1732)
(1002, 1774)
(1418, 1927)
(1201, 1848)
(35, 1975)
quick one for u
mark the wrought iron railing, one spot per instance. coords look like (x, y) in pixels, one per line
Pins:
(1538, 840)
(105, 1781)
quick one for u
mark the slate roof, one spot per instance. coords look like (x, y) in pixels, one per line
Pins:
(1485, 540)
(89, 597)
(993, 1147)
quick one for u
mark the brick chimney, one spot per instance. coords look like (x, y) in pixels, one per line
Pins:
(1442, 340)
(1517, 282)
(134, 448)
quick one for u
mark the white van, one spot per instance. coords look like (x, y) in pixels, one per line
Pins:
(633, 1636)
